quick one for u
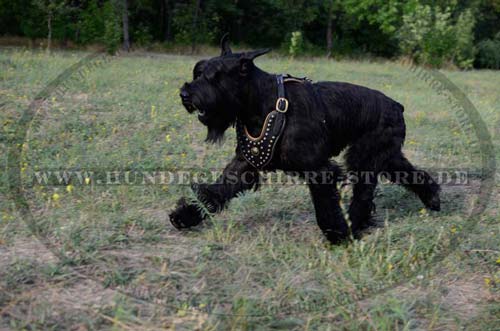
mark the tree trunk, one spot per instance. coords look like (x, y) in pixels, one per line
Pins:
(167, 18)
(126, 38)
(49, 26)
(329, 33)
(194, 27)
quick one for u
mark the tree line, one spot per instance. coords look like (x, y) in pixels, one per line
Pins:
(433, 32)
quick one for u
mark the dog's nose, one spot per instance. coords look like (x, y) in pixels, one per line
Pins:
(184, 94)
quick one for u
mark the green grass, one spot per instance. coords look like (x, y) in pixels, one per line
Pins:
(260, 264)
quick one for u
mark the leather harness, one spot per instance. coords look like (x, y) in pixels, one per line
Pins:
(258, 151)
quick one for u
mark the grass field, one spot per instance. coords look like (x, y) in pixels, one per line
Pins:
(111, 260)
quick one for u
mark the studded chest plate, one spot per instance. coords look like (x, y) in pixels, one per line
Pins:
(258, 151)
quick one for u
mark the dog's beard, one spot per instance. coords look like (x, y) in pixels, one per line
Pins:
(214, 135)
(215, 131)
(217, 126)
(217, 119)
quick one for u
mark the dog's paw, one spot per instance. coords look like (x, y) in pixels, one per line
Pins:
(336, 238)
(434, 203)
(336, 233)
(185, 215)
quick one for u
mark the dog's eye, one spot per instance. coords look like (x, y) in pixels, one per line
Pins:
(197, 73)
(210, 74)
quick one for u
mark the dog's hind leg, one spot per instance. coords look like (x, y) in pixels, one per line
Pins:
(401, 171)
(326, 201)
(362, 206)
(364, 160)
(237, 177)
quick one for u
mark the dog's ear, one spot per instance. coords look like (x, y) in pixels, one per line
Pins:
(246, 60)
(253, 54)
(224, 45)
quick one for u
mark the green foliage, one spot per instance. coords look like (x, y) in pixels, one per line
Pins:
(465, 50)
(488, 55)
(416, 26)
(101, 24)
(112, 29)
(142, 36)
(382, 13)
(430, 32)
(296, 44)
(14, 17)
(32, 22)
(438, 44)
(430, 36)
(91, 23)
(202, 32)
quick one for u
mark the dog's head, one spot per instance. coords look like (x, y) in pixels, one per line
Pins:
(217, 88)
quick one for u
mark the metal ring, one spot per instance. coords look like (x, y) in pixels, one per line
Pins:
(278, 103)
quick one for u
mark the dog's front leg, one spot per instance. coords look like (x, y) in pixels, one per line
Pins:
(237, 177)
(326, 201)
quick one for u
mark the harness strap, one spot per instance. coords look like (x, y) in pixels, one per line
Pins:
(281, 86)
(258, 151)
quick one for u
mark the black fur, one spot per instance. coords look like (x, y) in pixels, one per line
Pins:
(323, 119)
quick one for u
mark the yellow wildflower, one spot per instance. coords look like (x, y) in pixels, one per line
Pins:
(69, 188)
(153, 111)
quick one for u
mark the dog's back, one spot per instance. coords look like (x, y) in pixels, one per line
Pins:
(353, 110)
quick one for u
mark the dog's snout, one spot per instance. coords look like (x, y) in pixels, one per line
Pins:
(184, 94)
(186, 98)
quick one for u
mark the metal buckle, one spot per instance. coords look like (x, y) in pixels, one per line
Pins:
(279, 103)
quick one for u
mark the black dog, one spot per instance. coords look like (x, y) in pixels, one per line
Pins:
(308, 123)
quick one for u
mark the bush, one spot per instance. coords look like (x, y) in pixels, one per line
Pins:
(182, 24)
(112, 28)
(101, 24)
(438, 43)
(416, 26)
(91, 23)
(296, 44)
(488, 55)
(465, 51)
(142, 36)
(429, 36)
